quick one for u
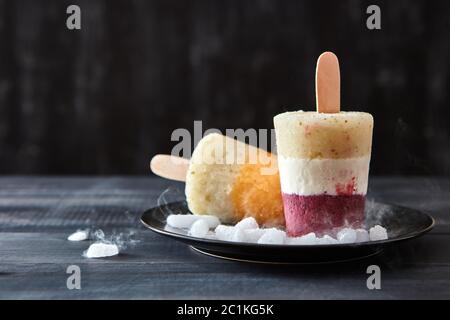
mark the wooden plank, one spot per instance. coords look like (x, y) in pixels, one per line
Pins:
(35, 264)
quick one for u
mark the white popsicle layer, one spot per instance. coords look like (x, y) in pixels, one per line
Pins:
(323, 176)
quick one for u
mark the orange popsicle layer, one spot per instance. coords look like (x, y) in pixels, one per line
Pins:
(257, 195)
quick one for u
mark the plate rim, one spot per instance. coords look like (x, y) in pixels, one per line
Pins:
(191, 239)
(264, 262)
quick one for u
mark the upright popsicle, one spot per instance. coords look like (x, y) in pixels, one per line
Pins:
(323, 159)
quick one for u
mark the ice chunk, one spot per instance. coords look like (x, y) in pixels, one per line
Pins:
(101, 249)
(247, 223)
(185, 221)
(211, 235)
(238, 235)
(253, 235)
(181, 220)
(199, 228)
(346, 235)
(326, 239)
(212, 221)
(362, 235)
(224, 233)
(80, 235)
(307, 239)
(273, 236)
(378, 233)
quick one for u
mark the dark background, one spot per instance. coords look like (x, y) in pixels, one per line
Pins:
(104, 99)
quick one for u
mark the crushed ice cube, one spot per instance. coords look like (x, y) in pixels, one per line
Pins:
(212, 221)
(101, 250)
(326, 239)
(377, 233)
(253, 235)
(273, 236)
(307, 239)
(185, 221)
(79, 235)
(199, 228)
(362, 235)
(238, 235)
(224, 233)
(247, 230)
(247, 223)
(211, 236)
(346, 235)
(181, 220)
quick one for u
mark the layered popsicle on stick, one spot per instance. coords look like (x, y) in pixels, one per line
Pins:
(323, 158)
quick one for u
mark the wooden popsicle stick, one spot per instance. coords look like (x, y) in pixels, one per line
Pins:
(169, 167)
(328, 84)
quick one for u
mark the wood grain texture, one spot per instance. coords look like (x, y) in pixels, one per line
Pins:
(105, 99)
(38, 213)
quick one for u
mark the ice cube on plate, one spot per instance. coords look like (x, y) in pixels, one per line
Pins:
(362, 235)
(238, 235)
(346, 235)
(199, 229)
(273, 236)
(247, 223)
(224, 233)
(185, 221)
(253, 235)
(307, 239)
(212, 221)
(181, 220)
(326, 239)
(377, 233)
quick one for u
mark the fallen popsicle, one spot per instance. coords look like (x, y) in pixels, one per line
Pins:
(323, 158)
(226, 178)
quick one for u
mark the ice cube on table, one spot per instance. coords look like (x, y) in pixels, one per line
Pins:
(273, 236)
(199, 229)
(247, 223)
(362, 235)
(224, 233)
(326, 239)
(185, 221)
(346, 235)
(79, 235)
(307, 239)
(377, 233)
(253, 235)
(101, 250)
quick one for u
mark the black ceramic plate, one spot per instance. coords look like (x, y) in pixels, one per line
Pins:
(402, 224)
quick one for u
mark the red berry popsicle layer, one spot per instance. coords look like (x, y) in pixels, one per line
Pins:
(323, 161)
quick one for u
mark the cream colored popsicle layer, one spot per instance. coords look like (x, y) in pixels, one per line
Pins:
(225, 179)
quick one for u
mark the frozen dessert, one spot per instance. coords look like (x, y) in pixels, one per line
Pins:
(323, 159)
(226, 178)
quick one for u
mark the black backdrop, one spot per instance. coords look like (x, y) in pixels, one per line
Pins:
(104, 99)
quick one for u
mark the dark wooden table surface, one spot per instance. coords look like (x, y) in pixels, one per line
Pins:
(38, 213)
